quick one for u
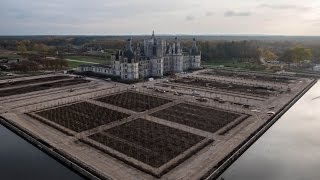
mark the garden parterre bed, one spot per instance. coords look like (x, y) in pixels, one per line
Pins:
(151, 143)
(134, 101)
(204, 118)
(81, 116)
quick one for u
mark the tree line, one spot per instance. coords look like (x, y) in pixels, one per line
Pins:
(254, 51)
(211, 50)
(239, 50)
(35, 58)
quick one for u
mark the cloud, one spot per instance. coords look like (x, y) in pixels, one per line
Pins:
(166, 16)
(190, 18)
(284, 7)
(79, 11)
(233, 13)
(21, 16)
(208, 14)
(316, 24)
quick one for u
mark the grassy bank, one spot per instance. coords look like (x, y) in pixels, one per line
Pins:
(89, 59)
(74, 64)
(234, 64)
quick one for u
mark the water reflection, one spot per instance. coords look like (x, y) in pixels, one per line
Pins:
(20, 160)
(290, 149)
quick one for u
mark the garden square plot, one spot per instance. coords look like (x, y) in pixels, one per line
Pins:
(13, 83)
(81, 116)
(246, 75)
(41, 87)
(226, 86)
(134, 101)
(199, 117)
(151, 143)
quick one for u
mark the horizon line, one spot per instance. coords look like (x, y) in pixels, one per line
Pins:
(166, 34)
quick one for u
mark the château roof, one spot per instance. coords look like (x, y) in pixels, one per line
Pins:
(128, 53)
(194, 49)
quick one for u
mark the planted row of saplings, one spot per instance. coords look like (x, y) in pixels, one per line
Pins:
(228, 86)
(206, 119)
(11, 83)
(82, 116)
(260, 77)
(134, 101)
(148, 142)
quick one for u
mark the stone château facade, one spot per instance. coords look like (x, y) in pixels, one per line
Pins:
(152, 58)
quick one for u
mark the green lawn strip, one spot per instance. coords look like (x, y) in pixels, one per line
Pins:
(74, 64)
(240, 65)
(89, 59)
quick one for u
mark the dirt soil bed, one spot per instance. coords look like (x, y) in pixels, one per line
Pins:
(151, 143)
(12, 83)
(23, 90)
(203, 118)
(260, 77)
(134, 101)
(81, 116)
(232, 87)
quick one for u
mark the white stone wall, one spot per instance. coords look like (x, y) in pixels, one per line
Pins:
(130, 71)
(96, 69)
(167, 64)
(177, 63)
(144, 69)
(195, 62)
(116, 66)
(157, 67)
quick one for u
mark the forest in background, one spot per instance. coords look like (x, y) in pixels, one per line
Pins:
(214, 49)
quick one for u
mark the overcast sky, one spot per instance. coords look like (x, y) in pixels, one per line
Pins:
(116, 17)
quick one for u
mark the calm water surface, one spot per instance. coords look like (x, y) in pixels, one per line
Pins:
(289, 150)
(19, 160)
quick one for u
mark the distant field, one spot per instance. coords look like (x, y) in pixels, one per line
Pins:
(89, 59)
(74, 64)
(224, 63)
(9, 54)
(75, 61)
(241, 65)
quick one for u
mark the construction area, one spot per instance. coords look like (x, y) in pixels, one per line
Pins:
(182, 127)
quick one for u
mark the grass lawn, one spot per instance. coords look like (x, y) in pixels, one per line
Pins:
(74, 64)
(241, 65)
(9, 54)
(89, 59)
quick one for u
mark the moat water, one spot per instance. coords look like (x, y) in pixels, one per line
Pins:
(290, 149)
(20, 160)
